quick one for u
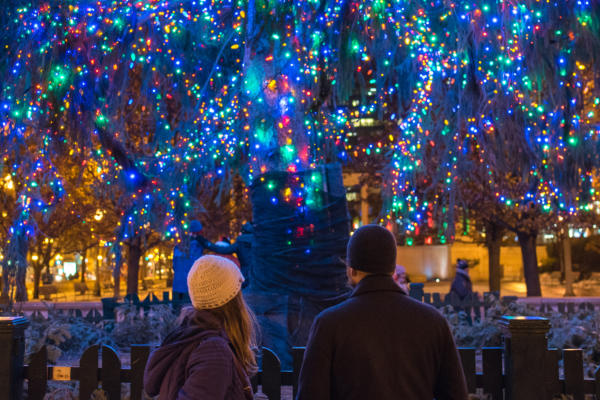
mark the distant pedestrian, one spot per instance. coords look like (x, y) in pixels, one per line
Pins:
(461, 285)
(226, 242)
(183, 262)
(209, 355)
(401, 278)
(380, 344)
(242, 248)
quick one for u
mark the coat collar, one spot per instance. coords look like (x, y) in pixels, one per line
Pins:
(376, 283)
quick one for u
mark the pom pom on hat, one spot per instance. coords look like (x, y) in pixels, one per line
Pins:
(213, 281)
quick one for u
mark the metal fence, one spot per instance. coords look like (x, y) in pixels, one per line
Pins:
(524, 368)
(474, 307)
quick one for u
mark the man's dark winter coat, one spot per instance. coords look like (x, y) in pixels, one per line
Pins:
(381, 345)
(193, 364)
(461, 285)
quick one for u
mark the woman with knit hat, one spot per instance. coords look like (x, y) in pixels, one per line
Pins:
(209, 356)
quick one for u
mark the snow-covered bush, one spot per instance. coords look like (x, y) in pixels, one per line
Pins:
(66, 337)
(578, 330)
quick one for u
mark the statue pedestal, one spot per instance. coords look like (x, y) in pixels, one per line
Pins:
(301, 231)
(285, 320)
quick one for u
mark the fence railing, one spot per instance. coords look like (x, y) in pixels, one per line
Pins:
(474, 305)
(96, 312)
(531, 370)
(175, 301)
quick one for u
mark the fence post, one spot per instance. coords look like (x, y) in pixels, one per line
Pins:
(525, 347)
(416, 291)
(12, 353)
(108, 308)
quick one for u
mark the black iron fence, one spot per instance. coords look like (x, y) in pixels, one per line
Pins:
(524, 368)
(472, 305)
(175, 300)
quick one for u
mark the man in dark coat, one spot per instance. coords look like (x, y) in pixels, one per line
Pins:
(380, 344)
(461, 285)
(242, 249)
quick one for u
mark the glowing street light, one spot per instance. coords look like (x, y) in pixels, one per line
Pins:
(8, 182)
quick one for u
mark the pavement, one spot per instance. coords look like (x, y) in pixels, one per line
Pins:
(68, 289)
(508, 288)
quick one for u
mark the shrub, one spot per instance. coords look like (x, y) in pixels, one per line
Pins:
(131, 328)
(575, 331)
(66, 337)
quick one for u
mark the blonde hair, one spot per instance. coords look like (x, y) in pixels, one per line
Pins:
(238, 321)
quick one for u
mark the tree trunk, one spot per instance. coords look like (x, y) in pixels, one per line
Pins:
(559, 252)
(43, 262)
(133, 262)
(5, 298)
(21, 294)
(493, 242)
(14, 268)
(117, 277)
(143, 268)
(83, 266)
(527, 241)
(21, 280)
(97, 289)
(37, 274)
(159, 264)
(364, 204)
(566, 241)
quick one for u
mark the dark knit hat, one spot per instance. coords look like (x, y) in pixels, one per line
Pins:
(247, 228)
(372, 249)
(195, 226)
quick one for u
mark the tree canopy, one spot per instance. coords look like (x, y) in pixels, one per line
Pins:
(160, 100)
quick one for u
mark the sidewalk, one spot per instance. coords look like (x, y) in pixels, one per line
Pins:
(68, 289)
(509, 288)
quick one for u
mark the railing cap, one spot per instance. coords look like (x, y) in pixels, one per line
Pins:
(14, 325)
(513, 324)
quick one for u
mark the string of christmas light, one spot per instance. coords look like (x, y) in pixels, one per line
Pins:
(512, 94)
(158, 98)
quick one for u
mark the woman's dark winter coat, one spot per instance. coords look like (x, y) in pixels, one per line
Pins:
(461, 285)
(194, 364)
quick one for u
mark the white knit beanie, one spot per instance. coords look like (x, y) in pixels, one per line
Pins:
(213, 281)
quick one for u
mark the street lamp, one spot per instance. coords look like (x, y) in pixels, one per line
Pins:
(99, 215)
(9, 182)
